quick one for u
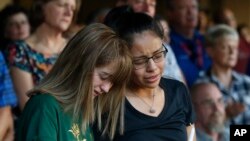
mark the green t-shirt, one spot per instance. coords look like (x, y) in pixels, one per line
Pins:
(43, 119)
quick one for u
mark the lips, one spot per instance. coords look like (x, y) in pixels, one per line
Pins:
(66, 20)
(152, 79)
(96, 93)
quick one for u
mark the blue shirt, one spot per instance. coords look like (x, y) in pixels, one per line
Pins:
(7, 95)
(239, 91)
(190, 54)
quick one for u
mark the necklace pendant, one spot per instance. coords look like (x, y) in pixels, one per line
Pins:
(152, 110)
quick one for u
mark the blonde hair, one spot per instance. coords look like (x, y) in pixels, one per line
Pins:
(70, 80)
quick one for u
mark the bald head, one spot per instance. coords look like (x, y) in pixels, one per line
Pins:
(201, 90)
(144, 6)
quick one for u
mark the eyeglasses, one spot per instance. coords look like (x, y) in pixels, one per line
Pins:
(143, 61)
(210, 103)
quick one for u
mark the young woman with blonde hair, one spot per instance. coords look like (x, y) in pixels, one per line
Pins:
(96, 66)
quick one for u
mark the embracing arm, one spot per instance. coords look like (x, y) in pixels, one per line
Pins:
(22, 82)
(6, 122)
(191, 132)
(190, 117)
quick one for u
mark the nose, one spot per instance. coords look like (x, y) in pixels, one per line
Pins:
(146, 7)
(232, 49)
(105, 87)
(68, 10)
(217, 106)
(151, 66)
(192, 11)
(18, 25)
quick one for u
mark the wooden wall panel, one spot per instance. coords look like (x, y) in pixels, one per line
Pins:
(3, 3)
(241, 8)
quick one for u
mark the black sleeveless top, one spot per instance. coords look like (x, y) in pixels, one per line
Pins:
(170, 125)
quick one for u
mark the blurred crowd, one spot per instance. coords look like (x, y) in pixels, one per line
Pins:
(207, 51)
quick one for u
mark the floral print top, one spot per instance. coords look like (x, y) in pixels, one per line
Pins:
(22, 56)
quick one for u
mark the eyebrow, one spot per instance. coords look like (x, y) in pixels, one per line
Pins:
(143, 56)
(105, 73)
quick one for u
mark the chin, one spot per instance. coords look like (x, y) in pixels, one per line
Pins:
(64, 28)
(217, 127)
(152, 85)
(231, 65)
(24, 37)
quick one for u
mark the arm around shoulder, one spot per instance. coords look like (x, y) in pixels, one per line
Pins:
(6, 122)
(191, 135)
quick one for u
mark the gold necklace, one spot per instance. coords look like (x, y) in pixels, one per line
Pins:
(151, 109)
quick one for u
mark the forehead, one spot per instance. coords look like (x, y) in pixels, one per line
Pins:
(73, 2)
(109, 68)
(18, 16)
(228, 12)
(208, 92)
(146, 42)
(138, 1)
(178, 3)
(227, 39)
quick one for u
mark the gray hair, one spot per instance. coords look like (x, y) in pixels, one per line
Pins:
(219, 31)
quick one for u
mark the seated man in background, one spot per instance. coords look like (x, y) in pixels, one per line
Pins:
(187, 43)
(171, 68)
(210, 112)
